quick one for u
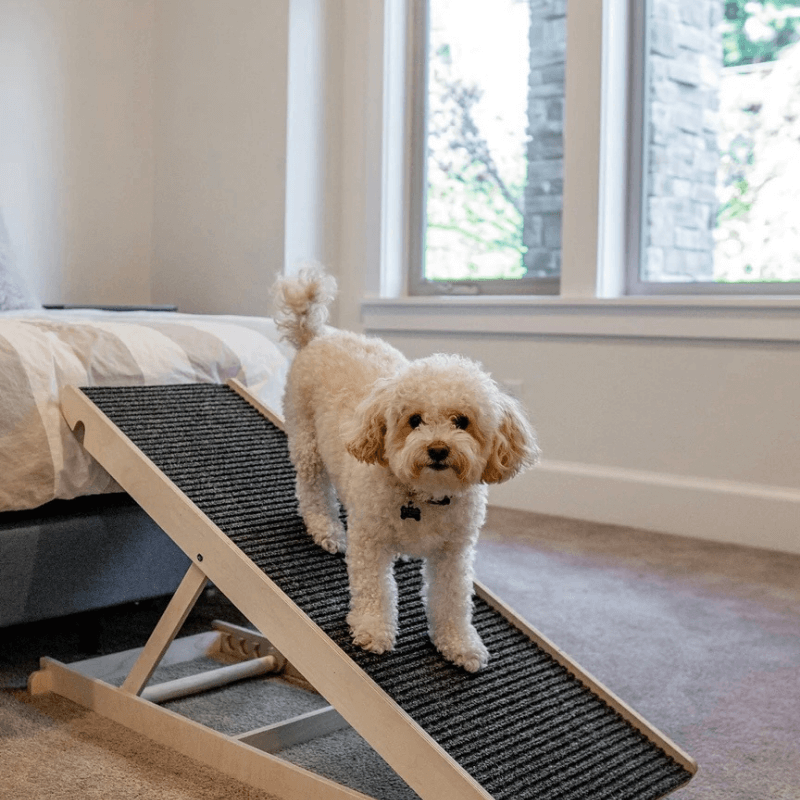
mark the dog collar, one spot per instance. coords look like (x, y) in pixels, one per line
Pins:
(410, 511)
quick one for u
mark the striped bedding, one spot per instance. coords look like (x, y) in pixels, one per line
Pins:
(42, 351)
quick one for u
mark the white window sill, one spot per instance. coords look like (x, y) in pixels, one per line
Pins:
(740, 318)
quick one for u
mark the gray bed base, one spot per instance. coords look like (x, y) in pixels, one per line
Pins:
(70, 556)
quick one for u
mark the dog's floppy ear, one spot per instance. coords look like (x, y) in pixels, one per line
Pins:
(514, 445)
(366, 435)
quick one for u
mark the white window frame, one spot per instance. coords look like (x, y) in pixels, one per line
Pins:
(596, 244)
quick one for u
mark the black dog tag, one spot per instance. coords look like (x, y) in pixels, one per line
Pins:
(410, 511)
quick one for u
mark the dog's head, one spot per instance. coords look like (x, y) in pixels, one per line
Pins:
(442, 425)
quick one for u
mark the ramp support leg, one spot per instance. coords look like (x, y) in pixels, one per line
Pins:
(166, 630)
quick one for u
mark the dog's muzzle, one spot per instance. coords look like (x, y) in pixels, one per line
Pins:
(438, 455)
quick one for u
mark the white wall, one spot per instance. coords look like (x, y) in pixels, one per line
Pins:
(76, 171)
(220, 143)
(143, 149)
(313, 137)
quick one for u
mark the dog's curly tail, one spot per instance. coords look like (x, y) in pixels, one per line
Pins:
(302, 303)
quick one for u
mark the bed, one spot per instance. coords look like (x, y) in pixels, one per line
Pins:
(70, 539)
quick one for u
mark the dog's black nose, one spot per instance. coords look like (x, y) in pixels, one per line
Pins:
(439, 453)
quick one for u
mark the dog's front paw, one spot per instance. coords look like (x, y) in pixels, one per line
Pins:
(327, 533)
(371, 635)
(468, 652)
(373, 642)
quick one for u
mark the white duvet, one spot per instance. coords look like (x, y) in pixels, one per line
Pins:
(43, 351)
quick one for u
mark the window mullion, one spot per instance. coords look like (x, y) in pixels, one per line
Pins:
(582, 150)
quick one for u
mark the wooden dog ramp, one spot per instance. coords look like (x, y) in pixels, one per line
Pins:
(211, 466)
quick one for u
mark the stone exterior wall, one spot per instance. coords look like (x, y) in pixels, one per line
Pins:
(685, 67)
(541, 230)
(685, 63)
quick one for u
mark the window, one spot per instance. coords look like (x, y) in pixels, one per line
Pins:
(720, 195)
(713, 149)
(489, 217)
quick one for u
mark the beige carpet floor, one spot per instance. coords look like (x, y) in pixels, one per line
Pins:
(51, 749)
(702, 639)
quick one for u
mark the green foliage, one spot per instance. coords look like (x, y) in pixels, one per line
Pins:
(469, 215)
(474, 207)
(757, 30)
(736, 161)
(738, 204)
(756, 235)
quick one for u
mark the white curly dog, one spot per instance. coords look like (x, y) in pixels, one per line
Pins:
(408, 448)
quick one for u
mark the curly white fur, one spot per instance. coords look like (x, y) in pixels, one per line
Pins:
(381, 433)
(302, 304)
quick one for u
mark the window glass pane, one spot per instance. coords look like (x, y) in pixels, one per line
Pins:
(494, 139)
(722, 193)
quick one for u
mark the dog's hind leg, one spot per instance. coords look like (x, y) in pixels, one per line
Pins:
(315, 493)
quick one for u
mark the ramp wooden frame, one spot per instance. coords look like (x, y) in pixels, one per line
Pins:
(355, 699)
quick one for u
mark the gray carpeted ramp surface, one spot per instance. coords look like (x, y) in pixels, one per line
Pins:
(524, 728)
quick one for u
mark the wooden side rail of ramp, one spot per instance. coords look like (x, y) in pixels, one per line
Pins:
(210, 465)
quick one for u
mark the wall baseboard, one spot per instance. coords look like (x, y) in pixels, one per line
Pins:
(733, 512)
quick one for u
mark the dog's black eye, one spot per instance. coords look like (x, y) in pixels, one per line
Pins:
(461, 421)
(415, 420)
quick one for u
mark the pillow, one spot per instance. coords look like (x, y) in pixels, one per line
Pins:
(14, 293)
